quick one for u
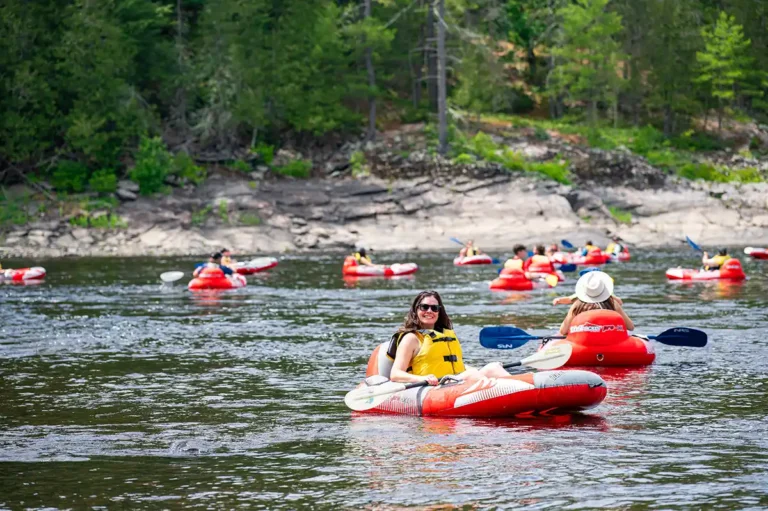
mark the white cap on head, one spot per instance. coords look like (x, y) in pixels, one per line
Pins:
(594, 287)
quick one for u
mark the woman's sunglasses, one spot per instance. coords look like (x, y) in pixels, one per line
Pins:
(424, 307)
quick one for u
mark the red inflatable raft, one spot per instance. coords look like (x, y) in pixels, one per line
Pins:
(622, 256)
(593, 258)
(757, 253)
(600, 338)
(515, 280)
(214, 278)
(523, 395)
(475, 259)
(730, 270)
(256, 266)
(353, 269)
(25, 274)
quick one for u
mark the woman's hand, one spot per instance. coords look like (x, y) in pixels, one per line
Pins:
(562, 300)
(431, 379)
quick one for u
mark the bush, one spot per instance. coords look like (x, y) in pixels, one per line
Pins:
(266, 152)
(540, 133)
(198, 217)
(249, 219)
(358, 164)
(13, 210)
(621, 215)
(241, 166)
(666, 159)
(184, 167)
(464, 159)
(103, 181)
(646, 139)
(296, 168)
(694, 141)
(552, 169)
(153, 164)
(70, 176)
(224, 211)
(108, 221)
(746, 175)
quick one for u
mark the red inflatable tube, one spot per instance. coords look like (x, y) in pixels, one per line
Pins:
(214, 278)
(730, 270)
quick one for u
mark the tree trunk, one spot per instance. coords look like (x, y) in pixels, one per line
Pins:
(668, 119)
(371, 83)
(441, 79)
(431, 58)
(418, 73)
(531, 58)
(181, 92)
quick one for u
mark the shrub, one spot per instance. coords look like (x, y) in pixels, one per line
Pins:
(70, 176)
(266, 152)
(184, 166)
(296, 168)
(103, 181)
(224, 211)
(746, 175)
(621, 215)
(358, 164)
(464, 159)
(552, 169)
(241, 166)
(153, 163)
(695, 141)
(646, 139)
(13, 210)
(198, 217)
(540, 133)
(249, 219)
(666, 159)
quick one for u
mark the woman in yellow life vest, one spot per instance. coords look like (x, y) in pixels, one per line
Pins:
(516, 262)
(226, 258)
(470, 250)
(614, 247)
(715, 262)
(425, 348)
(588, 248)
(362, 258)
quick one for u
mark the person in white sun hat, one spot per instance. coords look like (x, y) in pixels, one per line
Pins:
(594, 290)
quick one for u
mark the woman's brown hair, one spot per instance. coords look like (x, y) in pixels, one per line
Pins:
(579, 306)
(412, 323)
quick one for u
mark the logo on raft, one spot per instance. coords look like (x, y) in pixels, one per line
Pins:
(589, 327)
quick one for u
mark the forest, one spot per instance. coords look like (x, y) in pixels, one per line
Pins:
(94, 90)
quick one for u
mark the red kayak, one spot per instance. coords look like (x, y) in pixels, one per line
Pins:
(600, 338)
(757, 253)
(353, 269)
(471, 260)
(256, 265)
(214, 278)
(730, 270)
(515, 280)
(25, 274)
(521, 395)
(621, 257)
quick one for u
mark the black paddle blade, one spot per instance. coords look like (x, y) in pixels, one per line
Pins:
(688, 337)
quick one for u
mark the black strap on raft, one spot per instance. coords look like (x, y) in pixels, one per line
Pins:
(450, 358)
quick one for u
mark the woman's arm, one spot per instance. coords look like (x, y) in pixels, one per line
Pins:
(627, 321)
(406, 350)
(566, 325)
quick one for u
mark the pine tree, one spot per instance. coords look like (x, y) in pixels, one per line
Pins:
(724, 62)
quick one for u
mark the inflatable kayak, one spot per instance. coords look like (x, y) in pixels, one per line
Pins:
(515, 280)
(757, 253)
(593, 258)
(24, 274)
(214, 278)
(522, 395)
(255, 266)
(621, 257)
(475, 259)
(730, 270)
(353, 269)
(600, 338)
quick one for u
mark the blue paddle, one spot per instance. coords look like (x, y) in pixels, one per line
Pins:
(509, 337)
(693, 245)
(587, 270)
(566, 244)
(565, 268)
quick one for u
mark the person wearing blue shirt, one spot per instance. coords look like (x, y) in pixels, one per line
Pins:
(213, 262)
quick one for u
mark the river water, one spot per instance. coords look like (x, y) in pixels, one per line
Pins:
(117, 392)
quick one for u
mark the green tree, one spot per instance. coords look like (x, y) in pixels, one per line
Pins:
(724, 62)
(587, 56)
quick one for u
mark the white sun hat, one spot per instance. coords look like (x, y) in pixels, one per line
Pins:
(594, 287)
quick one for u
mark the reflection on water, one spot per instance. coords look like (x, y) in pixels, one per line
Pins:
(120, 391)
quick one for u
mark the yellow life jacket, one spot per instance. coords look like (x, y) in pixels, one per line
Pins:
(614, 248)
(361, 259)
(439, 353)
(227, 261)
(589, 248)
(610, 248)
(513, 264)
(540, 259)
(717, 261)
(472, 251)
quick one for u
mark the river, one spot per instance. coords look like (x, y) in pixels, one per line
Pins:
(118, 392)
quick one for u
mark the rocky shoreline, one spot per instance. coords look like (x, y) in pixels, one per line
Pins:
(415, 201)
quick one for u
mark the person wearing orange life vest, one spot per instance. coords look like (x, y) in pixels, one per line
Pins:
(425, 347)
(517, 262)
(538, 265)
(594, 290)
(715, 262)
